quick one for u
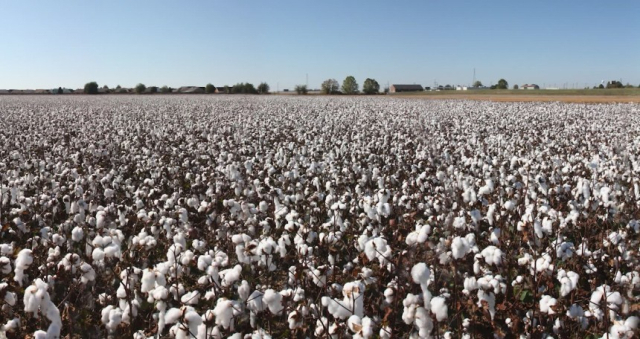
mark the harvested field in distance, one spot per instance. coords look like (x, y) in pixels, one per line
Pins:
(569, 95)
(527, 98)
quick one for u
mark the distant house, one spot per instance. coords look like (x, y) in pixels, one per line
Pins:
(530, 86)
(221, 90)
(5, 91)
(405, 88)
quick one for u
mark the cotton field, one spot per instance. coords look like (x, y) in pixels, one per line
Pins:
(260, 217)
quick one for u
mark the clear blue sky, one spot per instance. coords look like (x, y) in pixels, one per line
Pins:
(67, 43)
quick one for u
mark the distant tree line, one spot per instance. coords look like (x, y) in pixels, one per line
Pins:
(240, 88)
(329, 87)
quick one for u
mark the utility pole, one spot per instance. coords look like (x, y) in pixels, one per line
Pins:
(307, 82)
(474, 77)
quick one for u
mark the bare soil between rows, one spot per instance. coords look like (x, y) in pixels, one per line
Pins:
(529, 98)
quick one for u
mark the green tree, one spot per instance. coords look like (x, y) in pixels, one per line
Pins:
(349, 85)
(165, 89)
(209, 89)
(153, 89)
(244, 88)
(60, 91)
(371, 86)
(301, 89)
(140, 88)
(91, 88)
(477, 84)
(515, 86)
(502, 84)
(601, 86)
(118, 87)
(330, 86)
(263, 88)
(614, 84)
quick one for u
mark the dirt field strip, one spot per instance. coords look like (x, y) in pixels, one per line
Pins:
(529, 98)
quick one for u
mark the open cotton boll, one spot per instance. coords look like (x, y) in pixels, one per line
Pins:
(439, 308)
(492, 255)
(230, 276)
(419, 236)
(459, 247)
(190, 298)
(377, 248)
(5, 265)
(243, 290)
(546, 304)
(352, 302)
(36, 299)
(23, 261)
(172, 315)
(77, 234)
(568, 281)
(420, 273)
(225, 311)
(273, 300)
(101, 217)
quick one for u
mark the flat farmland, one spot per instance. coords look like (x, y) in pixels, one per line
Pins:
(291, 216)
(570, 96)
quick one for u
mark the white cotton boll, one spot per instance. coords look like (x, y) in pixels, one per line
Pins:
(9, 297)
(460, 222)
(223, 313)
(568, 281)
(490, 299)
(10, 325)
(295, 320)
(492, 255)
(423, 322)
(354, 323)
(510, 205)
(351, 304)
(172, 315)
(101, 219)
(273, 300)
(419, 236)
(420, 273)
(5, 265)
(263, 206)
(439, 308)
(97, 254)
(254, 302)
(385, 332)
(148, 281)
(77, 234)
(88, 273)
(470, 284)
(243, 290)
(230, 276)
(40, 335)
(190, 298)
(459, 247)
(377, 248)
(23, 261)
(495, 236)
(546, 304)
